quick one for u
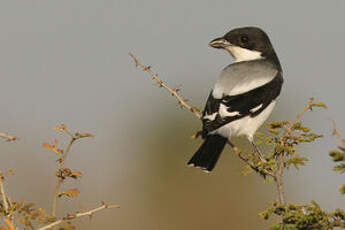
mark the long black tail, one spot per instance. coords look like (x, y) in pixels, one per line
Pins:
(208, 154)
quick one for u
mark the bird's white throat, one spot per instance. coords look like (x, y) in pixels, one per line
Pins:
(242, 54)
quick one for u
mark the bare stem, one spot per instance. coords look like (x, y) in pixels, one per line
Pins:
(60, 180)
(77, 215)
(3, 194)
(8, 137)
(289, 130)
(174, 92)
(249, 163)
(5, 202)
(279, 179)
(337, 134)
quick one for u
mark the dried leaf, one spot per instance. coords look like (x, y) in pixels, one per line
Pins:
(61, 128)
(76, 174)
(81, 135)
(70, 193)
(320, 104)
(67, 226)
(9, 223)
(66, 172)
(53, 147)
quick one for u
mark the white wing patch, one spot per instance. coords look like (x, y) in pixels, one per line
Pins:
(223, 111)
(253, 110)
(210, 117)
(246, 126)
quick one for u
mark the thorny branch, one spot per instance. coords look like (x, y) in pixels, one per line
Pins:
(60, 180)
(278, 174)
(246, 160)
(173, 91)
(63, 128)
(77, 215)
(2, 187)
(8, 137)
(337, 134)
(289, 130)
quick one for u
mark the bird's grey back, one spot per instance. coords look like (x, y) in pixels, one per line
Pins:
(244, 76)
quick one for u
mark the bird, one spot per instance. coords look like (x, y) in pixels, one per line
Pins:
(243, 96)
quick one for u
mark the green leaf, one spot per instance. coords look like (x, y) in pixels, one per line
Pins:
(275, 124)
(337, 155)
(340, 168)
(297, 161)
(342, 191)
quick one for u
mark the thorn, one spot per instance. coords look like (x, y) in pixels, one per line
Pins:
(136, 62)
(146, 68)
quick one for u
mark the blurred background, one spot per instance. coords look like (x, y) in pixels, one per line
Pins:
(67, 62)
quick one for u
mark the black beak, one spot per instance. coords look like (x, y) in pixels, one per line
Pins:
(219, 43)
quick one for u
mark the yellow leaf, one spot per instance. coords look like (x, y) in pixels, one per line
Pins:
(53, 148)
(70, 193)
(76, 174)
(61, 128)
(9, 223)
(81, 135)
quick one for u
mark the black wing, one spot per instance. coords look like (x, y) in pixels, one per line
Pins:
(242, 103)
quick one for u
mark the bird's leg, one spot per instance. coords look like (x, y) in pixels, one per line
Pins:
(233, 146)
(256, 149)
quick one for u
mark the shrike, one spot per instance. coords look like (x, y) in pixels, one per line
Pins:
(243, 96)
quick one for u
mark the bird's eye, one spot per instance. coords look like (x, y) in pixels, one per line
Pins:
(244, 39)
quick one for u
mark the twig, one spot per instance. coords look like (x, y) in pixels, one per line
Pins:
(60, 180)
(77, 215)
(2, 187)
(263, 172)
(278, 174)
(279, 179)
(289, 130)
(174, 92)
(3, 194)
(337, 134)
(8, 137)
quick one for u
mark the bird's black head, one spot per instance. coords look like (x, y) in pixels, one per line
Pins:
(246, 43)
